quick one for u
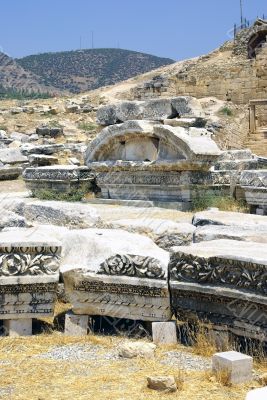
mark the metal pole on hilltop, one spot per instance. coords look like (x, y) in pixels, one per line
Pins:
(241, 13)
(92, 36)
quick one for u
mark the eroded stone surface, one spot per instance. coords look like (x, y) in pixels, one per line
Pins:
(154, 109)
(9, 218)
(164, 233)
(73, 215)
(228, 218)
(243, 233)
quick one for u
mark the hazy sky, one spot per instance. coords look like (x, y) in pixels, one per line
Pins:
(169, 28)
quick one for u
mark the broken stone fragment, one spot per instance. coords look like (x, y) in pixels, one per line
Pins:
(164, 384)
(137, 349)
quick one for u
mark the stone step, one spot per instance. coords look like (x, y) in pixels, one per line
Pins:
(173, 205)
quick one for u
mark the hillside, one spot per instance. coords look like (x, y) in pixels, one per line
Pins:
(83, 70)
(14, 78)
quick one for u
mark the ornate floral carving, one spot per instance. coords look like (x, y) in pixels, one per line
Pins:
(131, 265)
(12, 264)
(220, 271)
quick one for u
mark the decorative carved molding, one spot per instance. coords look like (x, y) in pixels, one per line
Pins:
(49, 287)
(132, 265)
(57, 174)
(254, 179)
(120, 289)
(12, 264)
(219, 309)
(164, 178)
(49, 250)
(218, 271)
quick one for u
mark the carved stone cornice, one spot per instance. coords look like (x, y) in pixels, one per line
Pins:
(222, 272)
(133, 265)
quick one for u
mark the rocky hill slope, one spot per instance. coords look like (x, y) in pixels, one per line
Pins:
(83, 70)
(14, 77)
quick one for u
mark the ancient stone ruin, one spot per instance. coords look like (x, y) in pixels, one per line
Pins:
(144, 160)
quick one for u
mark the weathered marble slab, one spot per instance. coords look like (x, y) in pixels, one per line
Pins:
(61, 178)
(227, 218)
(236, 160)
(224, 282)
(29, 274)
(164, 233)
(257, 233)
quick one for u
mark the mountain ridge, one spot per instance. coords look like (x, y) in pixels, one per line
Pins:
(88, 69)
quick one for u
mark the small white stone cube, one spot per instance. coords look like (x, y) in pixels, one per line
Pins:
(76, 325)
(238, 365)
(257, 394)
(18, 327)
(164, 332)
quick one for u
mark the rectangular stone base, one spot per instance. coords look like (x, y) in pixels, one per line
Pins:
(17, 327)
(164, 332)
(238, 365)
(76, 325)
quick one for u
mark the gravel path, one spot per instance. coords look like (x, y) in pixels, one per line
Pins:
(90, 352)
(187, 361)
(78, 352)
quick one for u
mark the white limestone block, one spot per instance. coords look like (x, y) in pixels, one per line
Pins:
(164, 332)
(18, 327)
(76, 325)
(238, 365)
(257, 394)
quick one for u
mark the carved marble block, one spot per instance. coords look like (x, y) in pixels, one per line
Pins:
(224, 282)
(29, 274)
(60, 178)
(118, 274)
(254, 183)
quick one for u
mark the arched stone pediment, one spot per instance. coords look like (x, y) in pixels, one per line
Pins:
(144, 160)
(147, 141)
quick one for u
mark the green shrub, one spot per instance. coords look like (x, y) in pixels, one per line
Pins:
(226, 111)
(72, 195)
(87, 126)
(224, 203)
(14, 94)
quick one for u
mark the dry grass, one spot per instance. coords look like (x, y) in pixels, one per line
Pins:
(223, 377)
(23, 376)
(204, 344)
